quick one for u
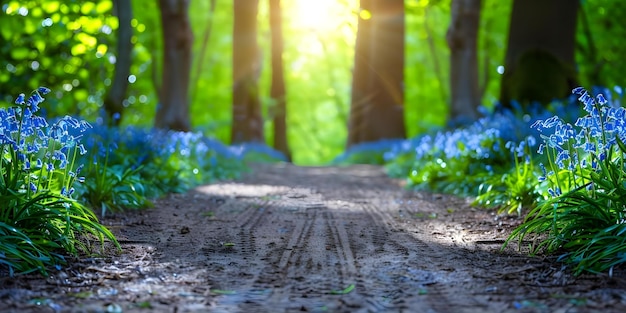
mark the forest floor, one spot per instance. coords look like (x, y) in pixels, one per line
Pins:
(313, 239)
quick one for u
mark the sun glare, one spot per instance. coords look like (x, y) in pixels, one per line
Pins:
(319, 15)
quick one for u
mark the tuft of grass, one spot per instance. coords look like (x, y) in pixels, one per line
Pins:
(516, 189)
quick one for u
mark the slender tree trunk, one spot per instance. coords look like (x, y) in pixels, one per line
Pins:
(462, 38)
(540, 63)
(114, 98)
(247, 116)
(385, 117)
(277, 90)
(173, 109)
(377, 108)
(360, 75)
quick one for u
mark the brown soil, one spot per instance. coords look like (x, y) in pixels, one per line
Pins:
(315, 239)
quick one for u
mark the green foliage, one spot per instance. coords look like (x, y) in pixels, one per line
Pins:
(114, 188)
(457, 161)
(510, 192)
(583, 219)
(600, 50)
(60, 44)
(39, 219)
(129, 166)
(427, 65)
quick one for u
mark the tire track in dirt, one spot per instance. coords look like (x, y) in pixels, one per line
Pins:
(302, 266)
(424, 286)
(389, 280)
(307, 270)
(250, 219)
(315, 264)
(340, 255)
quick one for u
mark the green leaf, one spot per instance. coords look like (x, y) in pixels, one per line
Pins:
(19, 53)
(344, 291)
(104, 6)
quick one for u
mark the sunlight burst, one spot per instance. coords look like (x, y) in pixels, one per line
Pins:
(318, 15)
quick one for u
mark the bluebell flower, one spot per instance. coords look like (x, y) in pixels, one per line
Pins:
(579, 90)
(20, 99)
(554, 192)
(601, 100)
(82, 149)
(79, 168)
(43, 90)
(541, 148)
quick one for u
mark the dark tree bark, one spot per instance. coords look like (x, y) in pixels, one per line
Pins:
(462, 38)
(360, 75)
(114, 98)
(377, 108)
(173, 109)
(247, 116)
(540, 63)
(277, 90)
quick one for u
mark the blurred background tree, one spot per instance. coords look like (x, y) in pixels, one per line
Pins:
(278, 108)
(540, 61)
(117, 93)
(247, 123)
(172, 111)
(377, 104)
(74, 47)
(462, 39)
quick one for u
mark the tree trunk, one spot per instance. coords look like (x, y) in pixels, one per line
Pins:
(540, 63)
(247, 116)
(114, 98)
(377, 108)
(360, 74)
(173, 109)
(277, 90)
(462, 38)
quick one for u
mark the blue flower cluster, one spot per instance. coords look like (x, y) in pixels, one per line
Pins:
(481, 140)
(590, 140)
(164, 161)
(28, 140)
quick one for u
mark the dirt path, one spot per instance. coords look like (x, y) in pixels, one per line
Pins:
(294, 239)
